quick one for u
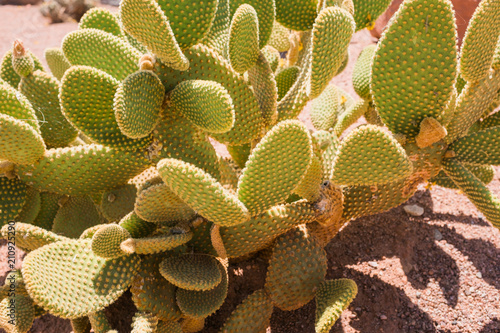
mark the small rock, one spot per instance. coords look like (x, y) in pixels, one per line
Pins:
(414, 210)
(467, 292)
(374, 264)
(383, 317)
(479, 275)
(437, 235)
(419, 294)
(454, 322)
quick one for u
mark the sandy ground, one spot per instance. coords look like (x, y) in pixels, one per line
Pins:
(436, 273)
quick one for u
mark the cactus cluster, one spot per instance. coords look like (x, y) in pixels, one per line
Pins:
(108, 168)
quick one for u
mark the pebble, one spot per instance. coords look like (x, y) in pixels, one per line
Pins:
(419, 294)
(479, 275)
(374, 264)
(414, 210)
(437, 235)
(383, 317)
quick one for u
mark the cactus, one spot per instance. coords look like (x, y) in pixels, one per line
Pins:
(131, 193)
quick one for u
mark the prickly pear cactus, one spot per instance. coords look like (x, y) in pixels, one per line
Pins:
(111, 181)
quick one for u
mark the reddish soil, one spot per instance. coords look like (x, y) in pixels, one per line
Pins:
(436, 273)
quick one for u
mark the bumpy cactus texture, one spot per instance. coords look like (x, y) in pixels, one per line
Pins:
(110, 171)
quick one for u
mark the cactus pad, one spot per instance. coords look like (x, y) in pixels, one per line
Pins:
(76, 215)
(13, 195)
(57, 62)
(253, 315)
(361, 74)
(244, 38)
(102, 19)
(479, 148)
(106, 241)
(296, 14)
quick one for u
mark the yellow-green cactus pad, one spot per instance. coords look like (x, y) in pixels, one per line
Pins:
(480, 41)
(280, 38)
(118, 202)
(202, 192)
(329, 144)
(22, 62)
(370, 156)
(16, 105)
(229, 172)
(152, 292)
(29, 237)
(137, 104)
(260, 231)
(244, 38)
(192, 271)
(252, 315)
(8, 74)
(474, 189)
(165, 241)
(13, 195)
(81, 325)
(189, 21)
(137, 227)
(240, 154)
(31, 207)
(202, 303)
(145, 20)
(484, 173)
(362, 72)
(273, 170)
(58, 64)
(491, 121)
(144, 322)
(333, 297)
(87, 96)
(76, 215)
(415, 64)
(206, 64)
(101, 50)
(309, 186)
(99, 322)
(82, 169)
(192, 325)
(207, 105)
(21, 143)
(350, 116)
(325, 108)
(285, 79)
(171, 326)
(479, 148)
(265, 11)
(366, 12)
(102, 19)
(217, 36)
(296, 14)
(49, 206)
(56, 130)
(17, 314)
(261, 76)
(106, 241)
(272, 56)
(296, 269)
(67, 279)
(159, 204)
(333, 26)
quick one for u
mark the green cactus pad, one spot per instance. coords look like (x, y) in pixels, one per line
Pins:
(325, 108)
(350, 116)
(170, 327)
(296, 269)
(192, 271)
(58, 64)
(328, 154)
(102, 19)
(100, 323)
(261, 77)
(490, 121)
(101, 50)
(55, 128)
(159, 204)
(31, 207)
(16, 105)
(296, 14)
(479, 148)
(82, 169)
(208, 65)
(480, 41)
(485, 173)
(333, 26)
(118, 202)
(137, 227)
(217, 36)
(81, 325)
(24, 314)
(366, 12)
(415, 64)
(202, 192)
(333, 297)
(49, 206)
(145, 20)
(260, 231)
(280, 38)
(309, 186)
(370, 156)
(106, 241)
(285, 79)
(474, 189)
(137, 104)
(174, 132)
(244, 39)
(265, 11)
(203, 303)
(207, 105)
(144, 322)
(89, 283)
(29, 237)
(22, 62)
(252, 315)
(189, 21)
(7, 72)
(151, 292)
(87, 101)
(76, 215)
(21, 143)
(271, 161)
(13, 196)
(240, 154)
(361, 75)
(172, 238)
